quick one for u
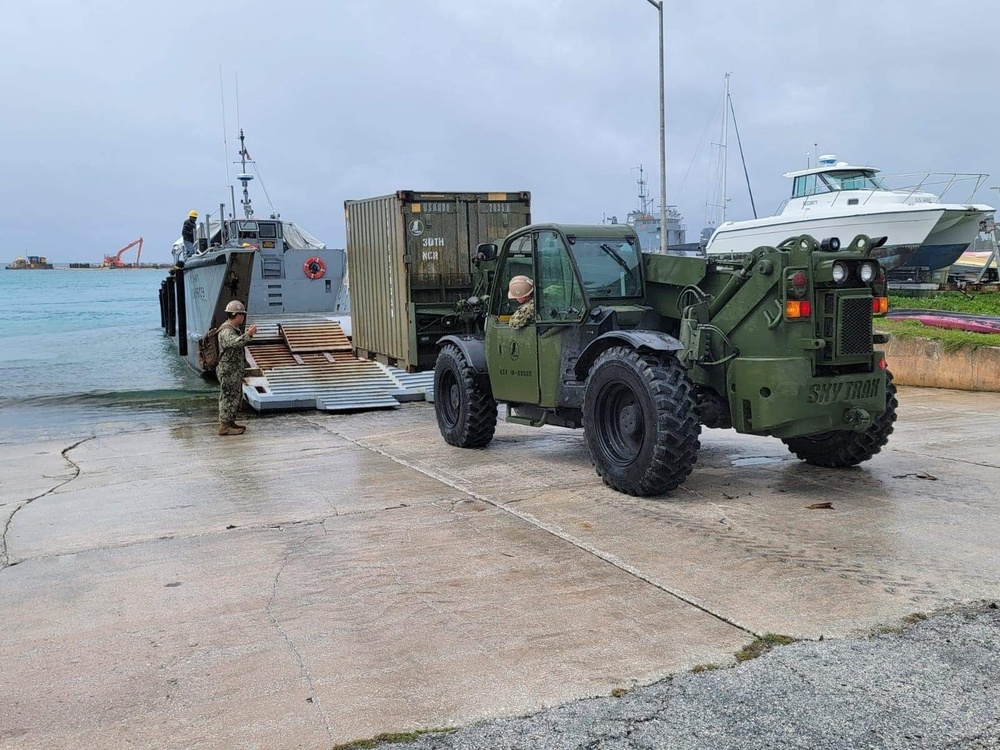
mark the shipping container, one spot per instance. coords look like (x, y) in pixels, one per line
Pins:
(409, 259)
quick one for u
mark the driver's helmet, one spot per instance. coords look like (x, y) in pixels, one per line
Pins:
(519, 287)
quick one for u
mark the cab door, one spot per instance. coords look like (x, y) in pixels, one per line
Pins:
(559, 310)
(512, 353)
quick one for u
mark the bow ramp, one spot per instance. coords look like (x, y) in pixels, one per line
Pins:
(307, 362)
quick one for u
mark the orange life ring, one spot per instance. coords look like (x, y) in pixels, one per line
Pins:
(314, 268)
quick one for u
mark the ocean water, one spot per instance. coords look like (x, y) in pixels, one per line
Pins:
(82, 352)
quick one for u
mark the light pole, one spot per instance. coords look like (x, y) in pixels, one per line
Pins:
(658, 4)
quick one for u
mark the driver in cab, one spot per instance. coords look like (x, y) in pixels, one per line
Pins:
(522, 290)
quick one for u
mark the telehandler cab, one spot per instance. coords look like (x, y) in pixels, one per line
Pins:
(641, 350)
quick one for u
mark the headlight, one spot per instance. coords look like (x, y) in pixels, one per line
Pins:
(839, 273)
(867, 272)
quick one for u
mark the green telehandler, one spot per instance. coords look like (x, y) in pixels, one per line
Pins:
(641, 350)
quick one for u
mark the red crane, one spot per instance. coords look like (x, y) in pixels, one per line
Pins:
(115, 261)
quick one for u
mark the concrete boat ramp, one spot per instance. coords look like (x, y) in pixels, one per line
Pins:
(328, 577)
(305, 361)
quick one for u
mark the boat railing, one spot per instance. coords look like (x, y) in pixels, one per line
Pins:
(918, 182)
(912, 183)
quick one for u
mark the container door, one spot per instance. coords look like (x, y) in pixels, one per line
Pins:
(437, 255)
(493, 216)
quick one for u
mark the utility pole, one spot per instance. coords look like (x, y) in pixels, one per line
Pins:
(658, 4)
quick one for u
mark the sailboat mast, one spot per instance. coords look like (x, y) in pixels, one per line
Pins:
(725, 150)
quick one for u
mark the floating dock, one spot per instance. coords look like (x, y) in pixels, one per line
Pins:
(306, 361)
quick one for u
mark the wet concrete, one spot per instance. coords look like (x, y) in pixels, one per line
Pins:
(324, 578)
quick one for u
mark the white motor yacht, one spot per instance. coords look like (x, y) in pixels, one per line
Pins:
(837, 199)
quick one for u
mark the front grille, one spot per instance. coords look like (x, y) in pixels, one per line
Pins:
(855, 326)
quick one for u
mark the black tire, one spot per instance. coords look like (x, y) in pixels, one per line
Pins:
(641, 422)
(842, 448)
(466, 413)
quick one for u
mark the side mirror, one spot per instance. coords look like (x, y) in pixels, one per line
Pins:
(487, 251)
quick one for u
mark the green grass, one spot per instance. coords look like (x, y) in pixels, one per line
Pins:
(950, 340)
(763, 644)
(710, 667)
(389, 737)
(983, 303)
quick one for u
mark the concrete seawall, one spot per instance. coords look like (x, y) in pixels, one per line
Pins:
(923, 362)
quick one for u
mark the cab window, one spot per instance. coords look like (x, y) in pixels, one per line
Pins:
(557, 291)
(610, 268)
(517, 263)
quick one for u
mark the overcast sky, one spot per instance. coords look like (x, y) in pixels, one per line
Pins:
(111, 116)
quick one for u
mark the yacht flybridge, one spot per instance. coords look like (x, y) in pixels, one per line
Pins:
(837, 199)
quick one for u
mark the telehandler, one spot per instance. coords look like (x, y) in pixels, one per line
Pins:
(641, 350)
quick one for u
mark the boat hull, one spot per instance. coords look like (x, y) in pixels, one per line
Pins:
(931, 237)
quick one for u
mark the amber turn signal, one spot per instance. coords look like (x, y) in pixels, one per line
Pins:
(798, 308)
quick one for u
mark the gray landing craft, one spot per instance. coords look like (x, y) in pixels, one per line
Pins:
(295, 290)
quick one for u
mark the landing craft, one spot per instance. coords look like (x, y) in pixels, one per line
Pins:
(407, 277)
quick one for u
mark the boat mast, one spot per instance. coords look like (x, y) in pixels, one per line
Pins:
(725, 150)
(245, 177)
(644, 200)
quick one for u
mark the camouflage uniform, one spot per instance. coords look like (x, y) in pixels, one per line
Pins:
(229, 371)
(524, 315)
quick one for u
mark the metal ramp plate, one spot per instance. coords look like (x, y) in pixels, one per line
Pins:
(269, 356)
(349, 385)
(314, 337)
(413, 386)
(267, 324)
(306, 362)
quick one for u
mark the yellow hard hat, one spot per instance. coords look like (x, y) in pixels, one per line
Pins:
(520, 286)
(193, 214)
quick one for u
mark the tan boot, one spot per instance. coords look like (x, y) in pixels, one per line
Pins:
(225, 429)
(236, 429)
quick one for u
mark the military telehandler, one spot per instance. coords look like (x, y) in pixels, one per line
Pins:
(641, 350)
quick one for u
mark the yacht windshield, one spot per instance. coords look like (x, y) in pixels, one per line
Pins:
(609, 268)
(853, 179)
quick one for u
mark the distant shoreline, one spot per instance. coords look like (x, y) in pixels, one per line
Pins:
(67, 267)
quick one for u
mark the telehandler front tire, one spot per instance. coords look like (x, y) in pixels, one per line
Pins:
(466, 412)
(640, 421)
(842, 448)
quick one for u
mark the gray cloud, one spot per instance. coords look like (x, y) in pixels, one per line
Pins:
(112, 120)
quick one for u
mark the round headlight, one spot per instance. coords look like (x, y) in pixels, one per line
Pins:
(867, 272)
(839, 273)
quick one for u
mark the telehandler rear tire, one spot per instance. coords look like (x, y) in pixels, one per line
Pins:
(842, 448)
(641, 422)
(466, 412)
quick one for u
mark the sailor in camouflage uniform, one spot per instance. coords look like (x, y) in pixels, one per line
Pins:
(232, 362)
(522, 289)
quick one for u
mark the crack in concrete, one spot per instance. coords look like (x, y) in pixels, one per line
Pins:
(555, 531)
(320, 521)
(946, 458)
(304, 671)
(4, 549)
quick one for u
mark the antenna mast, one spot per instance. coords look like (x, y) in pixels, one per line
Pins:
(644, 199)
(244, 177)
(225, 141)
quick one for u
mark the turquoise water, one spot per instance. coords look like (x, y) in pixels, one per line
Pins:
(82, 352)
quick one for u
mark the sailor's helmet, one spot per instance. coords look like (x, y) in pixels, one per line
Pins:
(236, 307)
(520, 286)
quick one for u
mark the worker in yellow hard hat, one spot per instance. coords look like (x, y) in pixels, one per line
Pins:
(187, 233)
